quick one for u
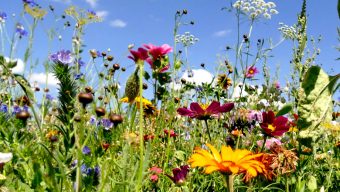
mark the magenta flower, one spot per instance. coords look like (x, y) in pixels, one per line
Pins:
(204, 112)
(274, 126)
(179, 174)
(140, 55)
(251, 71)
(159, 60)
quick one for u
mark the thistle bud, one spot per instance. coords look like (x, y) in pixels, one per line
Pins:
(132, 86)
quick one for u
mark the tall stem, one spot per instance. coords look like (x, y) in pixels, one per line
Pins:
(207, 126)
(230, 183)
(264, 142)
(141, 117)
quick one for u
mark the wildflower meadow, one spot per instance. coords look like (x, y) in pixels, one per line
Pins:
(252, 107)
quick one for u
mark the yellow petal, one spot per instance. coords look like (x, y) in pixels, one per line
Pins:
(215, 153)
(211, 169)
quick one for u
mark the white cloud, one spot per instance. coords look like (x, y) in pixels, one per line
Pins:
(20, 65)
(93, 3)
(197, 76)
(118, 23)
(40, 78)
(221, 33)
(102, 14)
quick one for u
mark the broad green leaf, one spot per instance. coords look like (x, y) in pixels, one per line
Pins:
(315, 98)
(284, 110)
(312, 184)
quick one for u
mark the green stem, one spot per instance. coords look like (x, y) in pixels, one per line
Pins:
(207, 126)
(141, 117)
(230, 183)
(264, 142)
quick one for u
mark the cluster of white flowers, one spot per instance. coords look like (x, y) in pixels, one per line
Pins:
(256, 8)
(186, 39)
(288, 32)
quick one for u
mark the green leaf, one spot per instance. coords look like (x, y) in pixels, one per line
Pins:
(315, 98)
(146, 75)
(339, 8)
(312, 184)
(284, 110)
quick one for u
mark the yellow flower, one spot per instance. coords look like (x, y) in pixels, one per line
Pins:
(146, 103)
(229, 161)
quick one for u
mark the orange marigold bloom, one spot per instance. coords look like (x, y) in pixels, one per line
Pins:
(229, 161)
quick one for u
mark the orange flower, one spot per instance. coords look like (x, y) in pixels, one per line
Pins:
(229, 161)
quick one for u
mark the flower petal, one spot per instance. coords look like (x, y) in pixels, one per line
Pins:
(195, 107)
(226, 107)
(185, 112)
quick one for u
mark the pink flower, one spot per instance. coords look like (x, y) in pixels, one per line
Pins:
(154, 178)
(251, 71)
(203, 112)
(269, 142)
(159, 60)
(155, 170)
(277, 85)
(140, 55)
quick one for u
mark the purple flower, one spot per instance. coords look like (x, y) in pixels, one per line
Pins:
(96, 171)
(93, 120)
(86, 150)
(49, 97)
(81, 63)
(78, 76)
(254, 116)
(74, 163)
(16, 109)
(3, 17)
(20, 30)
(3, 108)
(179, 174)
(62, 57)
(106, 123)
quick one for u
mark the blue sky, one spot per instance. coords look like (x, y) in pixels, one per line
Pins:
(152, 21)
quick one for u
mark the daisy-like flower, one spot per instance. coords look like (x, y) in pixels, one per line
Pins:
(179, 174)
(159, 61)
(137, 101)
(274, 126)
(239, 161)
(149, 109)
(224, 81)
(251, 71)
(138, 56)
(204, 112)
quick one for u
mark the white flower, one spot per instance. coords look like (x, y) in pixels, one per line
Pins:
(271, 5)
(274, 12)
(5, 157)
(267, 16)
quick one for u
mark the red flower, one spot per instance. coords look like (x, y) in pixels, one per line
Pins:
(251, 71)
(202, 112)
(274, 126)
(140, 55)
(171, 133)
(180, 174)
(159, 60)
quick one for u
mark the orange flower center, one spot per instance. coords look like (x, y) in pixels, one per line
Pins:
(251, 71)
(271, 127)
